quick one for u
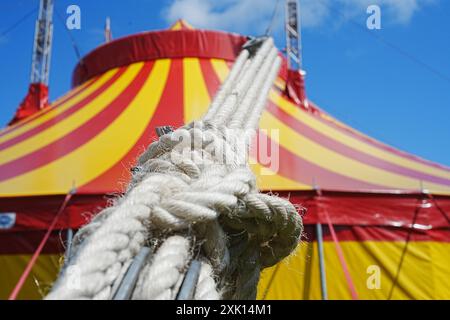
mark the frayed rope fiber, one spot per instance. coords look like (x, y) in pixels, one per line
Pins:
(192, 196)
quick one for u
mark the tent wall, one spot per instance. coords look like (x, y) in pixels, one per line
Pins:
(423, 274)
(405, 247)
(414, 270)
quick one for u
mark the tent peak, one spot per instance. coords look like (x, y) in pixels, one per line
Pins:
(181, 24)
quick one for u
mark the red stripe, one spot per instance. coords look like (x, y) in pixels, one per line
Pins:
(347, 151)
(64, 99)
(53, 121)
(348, 277)
(378, 233)
(149, 46)
(373, 209)
(79, 136)
(354, 133)
(169, 112)
(25, 242)
(298, 169)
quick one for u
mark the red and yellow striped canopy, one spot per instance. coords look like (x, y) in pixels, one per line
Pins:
(123, 90)
(91, 136)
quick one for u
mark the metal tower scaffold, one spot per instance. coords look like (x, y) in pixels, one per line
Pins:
(108, 33)
(43, 36)
(293, 35)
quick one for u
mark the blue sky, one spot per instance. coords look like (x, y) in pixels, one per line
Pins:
(392, 84)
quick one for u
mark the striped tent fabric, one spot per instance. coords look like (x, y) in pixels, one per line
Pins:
(388, 208)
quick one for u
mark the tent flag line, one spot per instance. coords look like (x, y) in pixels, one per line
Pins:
(31, 263)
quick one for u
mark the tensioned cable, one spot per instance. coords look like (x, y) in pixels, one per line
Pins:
(17, 23)
(41, 246)
(405, 248)
(272, 20)
(72, 39)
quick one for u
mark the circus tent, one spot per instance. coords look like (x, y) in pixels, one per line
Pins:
(382, 210)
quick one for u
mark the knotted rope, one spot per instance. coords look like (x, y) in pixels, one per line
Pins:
(192, 195)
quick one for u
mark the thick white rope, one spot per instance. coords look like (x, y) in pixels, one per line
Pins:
(165, 273)
(192, 194)
(238, 92)
(227, 85)
(255, 113)
(206, 286)
(239, 117)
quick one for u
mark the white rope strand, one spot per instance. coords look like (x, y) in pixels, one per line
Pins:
(255, 114)
(228, 84)
(206, 286)
(262, 77)
(161, 279)
(242, 86)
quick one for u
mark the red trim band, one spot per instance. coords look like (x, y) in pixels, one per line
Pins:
(158, 45)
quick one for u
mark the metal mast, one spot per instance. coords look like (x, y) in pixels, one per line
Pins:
(43, 35)
(293, 35)
(108, 33)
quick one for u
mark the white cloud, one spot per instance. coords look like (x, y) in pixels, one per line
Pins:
(233, 15)
(254, 15)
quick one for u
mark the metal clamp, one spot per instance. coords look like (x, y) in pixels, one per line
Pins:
(129, 280)
(253, 44)
(187, 289)
(160, 131)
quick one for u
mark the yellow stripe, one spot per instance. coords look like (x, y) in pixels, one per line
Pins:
(38, 284)
(69, 94)
(102, 152)
(176, 26)
(76, 90)
(335, 162)
(345, 139)
(269, 180)
(220, 68)
(196, 96)
(179, 25)
(280, 83)
(72, 122)
(68, 104)
(424, 275)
